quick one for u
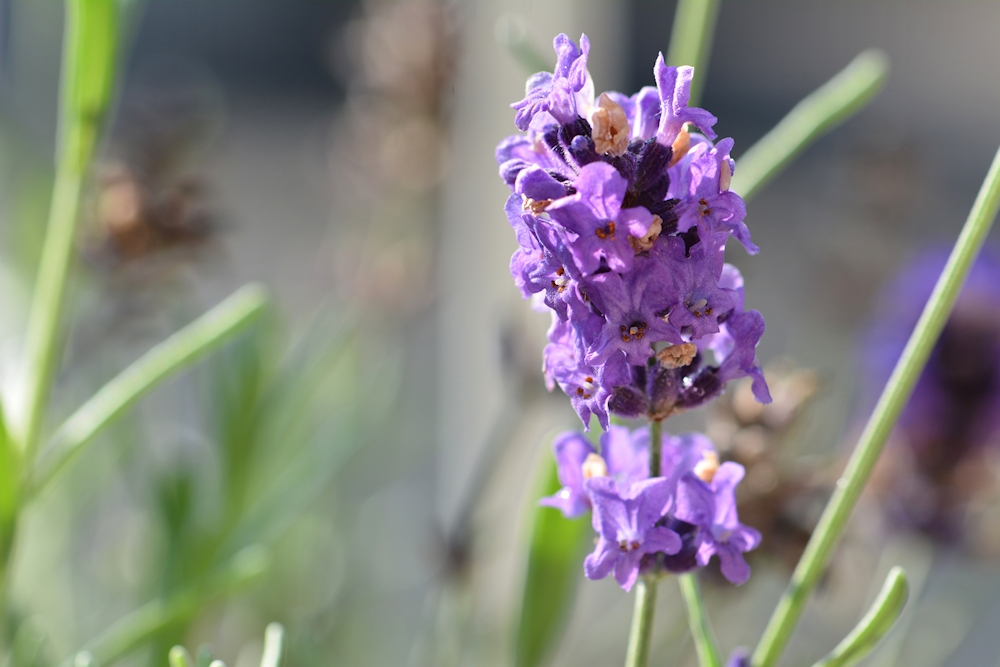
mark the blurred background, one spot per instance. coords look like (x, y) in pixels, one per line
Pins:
(381, 434)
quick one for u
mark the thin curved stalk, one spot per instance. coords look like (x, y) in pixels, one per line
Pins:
(894, 397)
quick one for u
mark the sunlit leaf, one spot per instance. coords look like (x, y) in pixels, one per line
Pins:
(554, 571)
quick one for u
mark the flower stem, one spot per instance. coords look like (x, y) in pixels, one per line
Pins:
(88, 73)
(645, 593)
(691, 40)
(46, 310)
(708, 655)
(642, 623)
(890, 404)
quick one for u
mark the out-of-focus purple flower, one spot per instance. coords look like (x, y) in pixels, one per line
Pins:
(627, 528)
(740, 657)
(937, 463)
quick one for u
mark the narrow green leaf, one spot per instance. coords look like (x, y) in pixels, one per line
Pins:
(554, 570)
(135, 629)
(274, 637)
(175, 353)
(831, 104)
(84, 659)
(90, 61)
(874, 625)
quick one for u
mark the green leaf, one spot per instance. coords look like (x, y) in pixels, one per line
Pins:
(875, 624)
(91, 55)
(553, 573)
(175, 353)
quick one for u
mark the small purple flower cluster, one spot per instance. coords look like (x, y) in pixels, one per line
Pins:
(674, 522)
(622, 209)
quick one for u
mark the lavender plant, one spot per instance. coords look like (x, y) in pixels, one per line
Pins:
(622, 207)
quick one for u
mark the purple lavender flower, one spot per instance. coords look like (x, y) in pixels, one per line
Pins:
(706, 498)
(740, 657)
(600, 226)
(624, 458)
(627, 528)
(674, 87)
(707, 201)
(622, 211)
(633, 306)
(556, 93)
(587, 385)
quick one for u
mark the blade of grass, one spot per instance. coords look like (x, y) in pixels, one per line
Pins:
(88, 73)
(553, 573)
(175, 353)
(831, 104)
(894, 397)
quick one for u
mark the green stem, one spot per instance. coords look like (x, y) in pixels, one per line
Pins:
(645, 593)
(880, 424)
(180, 350)
(691, 40)
(88, 73)
(831, 104)
(642, 623)
(708, 655)
(46, 310)
(655, 447)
